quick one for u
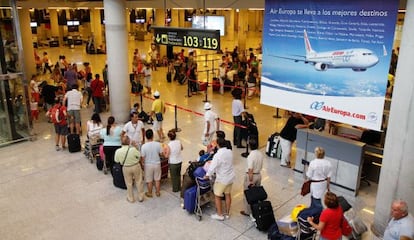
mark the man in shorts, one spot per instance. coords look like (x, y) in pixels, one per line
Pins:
(158, 109)
(222, 166)
(74, 100)
(150, 156)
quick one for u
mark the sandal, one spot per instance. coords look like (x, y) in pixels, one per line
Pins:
(149, 195)
(157, 194)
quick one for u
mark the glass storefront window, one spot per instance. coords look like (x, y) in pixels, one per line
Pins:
(14, 118)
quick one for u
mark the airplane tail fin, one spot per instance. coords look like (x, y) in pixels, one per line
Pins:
(384, 50)
(308, 46)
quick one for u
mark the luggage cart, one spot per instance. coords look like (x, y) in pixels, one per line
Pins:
(204, 195)
(305, 231)
(92, 148)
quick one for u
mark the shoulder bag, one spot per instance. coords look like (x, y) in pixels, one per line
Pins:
(118, 175)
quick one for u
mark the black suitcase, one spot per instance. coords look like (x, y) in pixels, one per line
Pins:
(263, 214)
(273, 148)
(169, 78)
(255, 194)
(228, 85)
(99, 162)
(74, 143)
(118, 176)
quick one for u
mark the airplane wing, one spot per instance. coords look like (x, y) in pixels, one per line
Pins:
(297, 58)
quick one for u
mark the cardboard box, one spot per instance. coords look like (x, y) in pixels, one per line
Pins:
(287, 226)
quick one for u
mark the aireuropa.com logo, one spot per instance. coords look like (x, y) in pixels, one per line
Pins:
(317, 105)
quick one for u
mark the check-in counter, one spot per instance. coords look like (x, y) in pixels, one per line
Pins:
(345, 155)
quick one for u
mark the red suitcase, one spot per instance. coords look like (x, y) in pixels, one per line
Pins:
(164, 168)
(216, 84)
(202, 86)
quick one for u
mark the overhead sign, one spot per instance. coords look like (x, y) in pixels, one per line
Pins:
(188, 37)
(328, 59)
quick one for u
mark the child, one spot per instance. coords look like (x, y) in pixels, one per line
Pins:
(58, 115)
(34, 111)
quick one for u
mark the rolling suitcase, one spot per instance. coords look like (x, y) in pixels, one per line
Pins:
(273, 148)
(164, 168)
(190, 199)
(74, 144)
(202, 86)
(118, 176)
(263, 214)
(216, 84)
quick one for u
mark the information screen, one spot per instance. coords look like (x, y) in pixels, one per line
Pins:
(188, 37)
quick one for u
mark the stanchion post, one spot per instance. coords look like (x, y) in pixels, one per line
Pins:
(206, 97)
(140, 97)
(245, 96)
(175, 119)
(245, 154)
(205, 64)
(188, 87)
(277, 114)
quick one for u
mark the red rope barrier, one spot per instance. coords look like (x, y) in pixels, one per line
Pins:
(197, 113)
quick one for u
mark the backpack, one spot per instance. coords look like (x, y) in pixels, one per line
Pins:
(56, 115)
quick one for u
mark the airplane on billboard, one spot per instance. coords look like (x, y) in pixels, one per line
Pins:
(358, 59)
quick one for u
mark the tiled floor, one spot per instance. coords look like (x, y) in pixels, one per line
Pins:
(45, 194)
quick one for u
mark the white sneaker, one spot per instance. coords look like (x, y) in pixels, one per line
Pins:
(217, 217)
(226, 216)
(252, 218)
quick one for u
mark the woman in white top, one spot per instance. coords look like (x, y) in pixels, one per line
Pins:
(175, 160)
(320, 172)
(93, 128)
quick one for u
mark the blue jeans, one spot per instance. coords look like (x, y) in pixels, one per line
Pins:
(316, 203)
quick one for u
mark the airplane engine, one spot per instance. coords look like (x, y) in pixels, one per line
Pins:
(321, 66)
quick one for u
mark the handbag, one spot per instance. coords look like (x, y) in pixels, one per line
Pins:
(306, 186)
(345, 227)
(159, 117)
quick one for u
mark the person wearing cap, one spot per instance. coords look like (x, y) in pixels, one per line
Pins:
(211, 124)
(158, 110)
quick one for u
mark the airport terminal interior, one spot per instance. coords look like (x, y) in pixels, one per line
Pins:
(49, 194)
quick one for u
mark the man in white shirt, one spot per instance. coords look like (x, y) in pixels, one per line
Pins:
(253, 175)
(74, 100)
(237, 109)
(211, 124)
(135, 130)
(222, 166)
(401, 226)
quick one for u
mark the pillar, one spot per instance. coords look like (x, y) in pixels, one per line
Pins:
(96, 27)
(54, 26)
(230, 25)
(117, 57)
(243, 30)
(160, 22)
(159, 17)
(397, 178)
(27, 42)
(176, 17)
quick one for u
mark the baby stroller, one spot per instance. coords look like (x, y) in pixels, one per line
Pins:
(92, 148)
